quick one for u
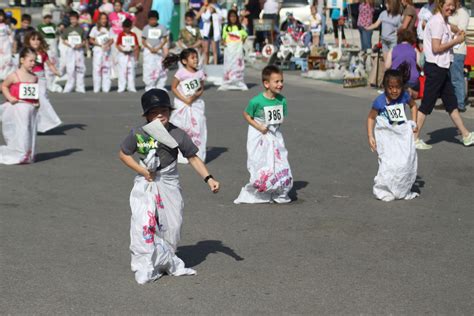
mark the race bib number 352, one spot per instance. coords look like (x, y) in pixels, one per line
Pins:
(396, 112)
(29, 91)
(274, 114)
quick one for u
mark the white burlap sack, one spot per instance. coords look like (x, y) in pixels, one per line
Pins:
(398, 160)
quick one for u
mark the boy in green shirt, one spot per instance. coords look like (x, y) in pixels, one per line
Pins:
(270, 175)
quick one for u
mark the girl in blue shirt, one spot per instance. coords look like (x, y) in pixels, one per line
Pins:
(391, 135)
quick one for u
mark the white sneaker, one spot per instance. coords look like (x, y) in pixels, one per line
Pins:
(421, 145)
(468, 140)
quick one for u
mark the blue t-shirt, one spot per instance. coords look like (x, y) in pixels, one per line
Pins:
(380, 103)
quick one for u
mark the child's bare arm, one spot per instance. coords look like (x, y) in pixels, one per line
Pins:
(414, 113)
(132, 164)
(6, 91)
(262, 128)
(370, 129)
(174, 88)
(53, 68)
(201, 169)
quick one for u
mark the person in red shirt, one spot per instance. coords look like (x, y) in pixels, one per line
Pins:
(47, 117)
(128, 47)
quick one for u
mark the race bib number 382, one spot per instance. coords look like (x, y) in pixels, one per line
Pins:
(29, 91)
(274, 114)
(396, 112)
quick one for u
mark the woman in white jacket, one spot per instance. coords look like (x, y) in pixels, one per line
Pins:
(211, 16)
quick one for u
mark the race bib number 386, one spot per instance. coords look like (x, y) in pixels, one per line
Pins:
(274, 114)
(396, 112)
(29, 91)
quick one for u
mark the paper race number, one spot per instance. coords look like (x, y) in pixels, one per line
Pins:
(29, 91)
(48, 30)
(154, 33)
(102, 39)
(74, 40)
(190, 86)
(273, 114)
(396, 113)
(128, 41)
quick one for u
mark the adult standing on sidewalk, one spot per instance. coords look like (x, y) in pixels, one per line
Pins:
(408, 16)
(459, 22)
(366, 16)
(437, 46)
(140, 8)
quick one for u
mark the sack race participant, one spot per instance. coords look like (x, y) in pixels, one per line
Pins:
(19, 114)
(267, 158)
(74, 39)
(116, 19)
(394, 139)
(188, 87)
(47, 117)
(127, 45)
(102, 62)
(190, 35)
(155, 200)
(6, 62)
(48, 31)
(154, 38)
(233, 37)
(19, 37)
(62, 48)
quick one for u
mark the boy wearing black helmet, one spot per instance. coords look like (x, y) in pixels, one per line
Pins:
(156, 200)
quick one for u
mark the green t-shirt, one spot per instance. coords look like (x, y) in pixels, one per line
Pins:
(73, 30)
(47, 30)
(258, 103)
(231, 34)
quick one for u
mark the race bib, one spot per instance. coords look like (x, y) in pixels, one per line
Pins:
(128, 41)
(29, 91)
(48, 30)
(154, 33)
(190, 86)
(102, 39)
(396, 113)
(74, 40)
(273, 114)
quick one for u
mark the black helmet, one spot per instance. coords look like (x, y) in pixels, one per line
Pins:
(155, 98)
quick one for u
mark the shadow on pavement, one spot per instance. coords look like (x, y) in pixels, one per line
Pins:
(214, 152)
(297, 185)
(447, 134)
(62, 129)
(55, 154)
(419, 183)
(196, 254)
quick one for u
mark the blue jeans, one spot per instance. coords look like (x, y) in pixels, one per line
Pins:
(323, 30)
(365, 38)
(457, 78)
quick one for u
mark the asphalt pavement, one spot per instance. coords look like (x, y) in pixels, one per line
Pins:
(64, 220)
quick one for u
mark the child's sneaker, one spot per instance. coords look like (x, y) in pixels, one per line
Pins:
(421, 145)
(468, 140)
